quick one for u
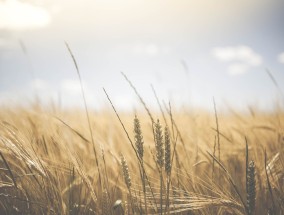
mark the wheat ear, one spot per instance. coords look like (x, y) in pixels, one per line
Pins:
(106, 208)
(139, 142)
(159, 144)
(127, 179)
(251, 188)
(167, 163)
(138, 138)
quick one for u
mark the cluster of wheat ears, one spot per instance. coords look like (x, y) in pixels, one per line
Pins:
(57, 161)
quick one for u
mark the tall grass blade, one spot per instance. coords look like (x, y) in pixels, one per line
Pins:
(86, 110)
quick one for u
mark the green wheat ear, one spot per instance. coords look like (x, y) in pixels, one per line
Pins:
(251, 188)
(138, 138)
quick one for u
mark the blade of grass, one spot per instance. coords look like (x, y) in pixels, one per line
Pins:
(268, 183)
(72, 129)
(140, 98)
(275, 82)
(8, 167)
(132, 145)
(231, 181)
(86, 110)
(217, 129)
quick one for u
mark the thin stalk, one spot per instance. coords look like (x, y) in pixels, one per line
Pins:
(231, 181)
(161, 192)
(168, 195)
(86, 110)
(268, 183)
(140, 98)
(159, 104)
(132, 145)
(9, 170)
(217, 128)
(144, 189)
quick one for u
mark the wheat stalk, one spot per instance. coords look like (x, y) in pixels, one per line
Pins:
(86, 109)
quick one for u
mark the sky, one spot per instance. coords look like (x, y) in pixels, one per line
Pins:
(189, 51)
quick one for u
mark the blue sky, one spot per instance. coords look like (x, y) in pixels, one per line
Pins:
(224, 45)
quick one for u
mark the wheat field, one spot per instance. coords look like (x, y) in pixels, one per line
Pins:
(168, 162)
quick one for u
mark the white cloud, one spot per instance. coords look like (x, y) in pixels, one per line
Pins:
(71, 86)
(281, 57)
(17, 15)
(43, 89)
(70, 90)
(237, 53)
(39, 84)
(241, 58)
(26, 93)
(148, 49)
(237, 68)
(124, 102)
(3, 42)
(8, 43)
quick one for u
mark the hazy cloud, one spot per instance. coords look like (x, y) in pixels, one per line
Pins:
(237, 68)
(4, 43)
(241, 58)
(72, 86)
(281, 57)
(125, 102)
(143, 49)
(17, 15)
(147, 49)
(237, 53)
(71, 94)
(43, 89)
(27, 93)
(39, 84)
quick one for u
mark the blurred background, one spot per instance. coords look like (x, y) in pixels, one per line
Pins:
(190, 51)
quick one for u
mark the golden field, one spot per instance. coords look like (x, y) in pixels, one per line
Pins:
(50, 163)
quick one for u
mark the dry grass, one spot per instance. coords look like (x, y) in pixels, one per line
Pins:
(48, 165)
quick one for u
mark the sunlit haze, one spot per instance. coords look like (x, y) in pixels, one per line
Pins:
(190, 51)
